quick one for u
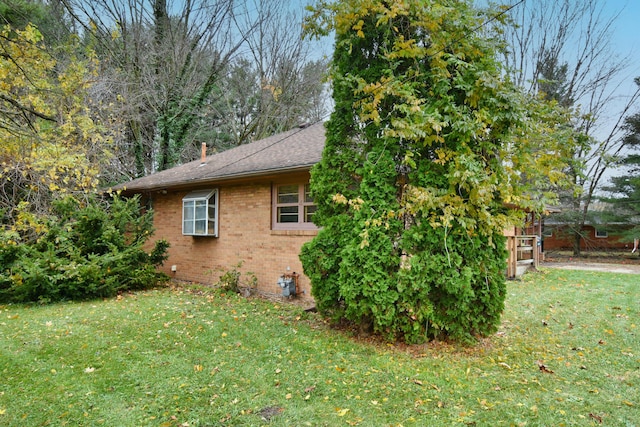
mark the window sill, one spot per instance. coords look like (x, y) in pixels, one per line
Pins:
(294, 232)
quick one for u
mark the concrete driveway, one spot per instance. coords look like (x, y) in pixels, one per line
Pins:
(594, 266)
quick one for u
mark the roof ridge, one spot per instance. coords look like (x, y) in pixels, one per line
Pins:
(282, 137)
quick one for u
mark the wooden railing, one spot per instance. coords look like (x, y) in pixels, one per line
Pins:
(524, 253)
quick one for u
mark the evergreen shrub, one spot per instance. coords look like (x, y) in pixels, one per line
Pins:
(412, 185)
(82, 250)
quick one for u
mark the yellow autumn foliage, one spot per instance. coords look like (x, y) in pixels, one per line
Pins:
(50, 144)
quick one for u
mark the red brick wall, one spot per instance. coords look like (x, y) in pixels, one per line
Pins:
(561, 238)
(244, 234)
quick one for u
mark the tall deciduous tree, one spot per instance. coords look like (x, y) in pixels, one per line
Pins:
(287, 88)
(424, 150)
(51, 145)
(161, 62)
(563, 49)
(177, 74)
(276, 82)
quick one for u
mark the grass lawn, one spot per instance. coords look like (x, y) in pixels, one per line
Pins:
(567, 353)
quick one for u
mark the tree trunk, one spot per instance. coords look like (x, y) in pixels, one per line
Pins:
(577, 238)
(164, 147)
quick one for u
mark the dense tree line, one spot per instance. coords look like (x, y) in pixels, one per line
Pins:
(623, 193)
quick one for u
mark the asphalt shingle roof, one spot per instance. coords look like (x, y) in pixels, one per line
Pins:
(296, 149)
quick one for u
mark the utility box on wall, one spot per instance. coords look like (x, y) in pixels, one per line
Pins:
(288, 283)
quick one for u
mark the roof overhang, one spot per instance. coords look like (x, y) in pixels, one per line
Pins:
(271, 174)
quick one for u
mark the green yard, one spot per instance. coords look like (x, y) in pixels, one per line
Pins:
(567, 353)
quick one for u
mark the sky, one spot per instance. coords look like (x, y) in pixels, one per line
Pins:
(626, 34)
(626, 37)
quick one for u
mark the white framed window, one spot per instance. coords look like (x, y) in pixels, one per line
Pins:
(200, 213)
(293, 207)
(601, 234)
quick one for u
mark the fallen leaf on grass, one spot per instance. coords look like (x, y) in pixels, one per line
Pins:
(596, 417)
(342, 412)
(543, 367)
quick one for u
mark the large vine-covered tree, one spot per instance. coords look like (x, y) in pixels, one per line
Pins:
(425, 149)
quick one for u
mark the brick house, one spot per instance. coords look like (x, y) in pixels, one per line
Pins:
(249, 204)
(598, 233)
(594, 237)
